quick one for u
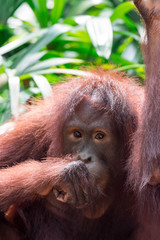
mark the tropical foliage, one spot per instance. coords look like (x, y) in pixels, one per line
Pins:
(42, 41)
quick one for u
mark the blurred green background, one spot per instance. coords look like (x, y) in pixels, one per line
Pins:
(43, 41)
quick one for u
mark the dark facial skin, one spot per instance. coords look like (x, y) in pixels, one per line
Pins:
(91, 139)
(89, 136)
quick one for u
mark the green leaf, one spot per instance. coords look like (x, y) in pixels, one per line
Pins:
(20, 41)
(14, 88)
(8, 7)
(101, 34)
(121, 10)
(132, 66)
(3, 79)
(52, 62)
(47, 37)
(32, 59)
(128, 34)
(81, 6)
(33, 4)
(43, 85)
(57, 11)
(118, 59)
(42, 13)
(40, 10)
(61, 71)
(124, 45)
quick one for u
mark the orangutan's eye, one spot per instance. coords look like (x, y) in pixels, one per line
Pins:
(77, 134)
(99, 136)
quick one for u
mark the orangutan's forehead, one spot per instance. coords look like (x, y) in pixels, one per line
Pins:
(87, 110)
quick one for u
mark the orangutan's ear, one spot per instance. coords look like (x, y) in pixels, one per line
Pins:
(155, 179)
(11, 213)
(44, 191)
